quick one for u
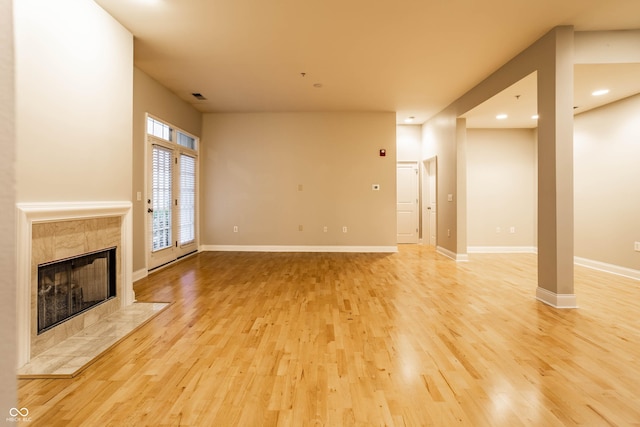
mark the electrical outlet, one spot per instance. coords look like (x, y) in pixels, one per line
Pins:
(448, 232)
(498, 230)
(636, 246)
(512, 230)
(344, 229)
(235, 228)
(300, 227)
(325, 229)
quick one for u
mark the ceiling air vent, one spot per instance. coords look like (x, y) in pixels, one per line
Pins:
(199, 96)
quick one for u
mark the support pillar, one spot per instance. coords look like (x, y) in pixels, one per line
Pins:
(555, 173)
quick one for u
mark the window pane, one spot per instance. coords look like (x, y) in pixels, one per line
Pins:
(186, 141)
(161, 198)
(158, 129)
(187, 198)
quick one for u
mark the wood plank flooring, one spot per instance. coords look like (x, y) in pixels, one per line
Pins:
(406, 339)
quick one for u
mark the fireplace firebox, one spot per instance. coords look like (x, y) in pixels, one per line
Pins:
(73, 285)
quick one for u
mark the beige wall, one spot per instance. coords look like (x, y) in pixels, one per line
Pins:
(607, 193)
(439, 140)
(271, 173)
(501, 188)
(408, 143)
(552, 58)
(501, 185)
(74, 84)
(8, 360)
(151, 97)
(441, 133)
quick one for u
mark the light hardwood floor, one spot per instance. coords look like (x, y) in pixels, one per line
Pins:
(317, 339)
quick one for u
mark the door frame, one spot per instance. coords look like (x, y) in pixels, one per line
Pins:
(179, 250)
(429, 169)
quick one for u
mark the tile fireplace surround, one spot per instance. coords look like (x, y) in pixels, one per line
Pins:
(51, 231)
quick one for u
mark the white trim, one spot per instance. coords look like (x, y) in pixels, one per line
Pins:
(608, 268)
(139, 274)
(584, 262)
(58, 211)
(502, 249)
(29, 213)
(285, 248)
(556, 300)
(454, 256)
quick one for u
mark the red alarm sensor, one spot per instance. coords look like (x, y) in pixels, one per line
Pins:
(383, 152)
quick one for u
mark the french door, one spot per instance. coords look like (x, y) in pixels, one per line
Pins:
(172, 200)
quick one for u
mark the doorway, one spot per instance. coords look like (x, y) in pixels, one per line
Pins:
(407, 202)
(429, 201)
(171, 194)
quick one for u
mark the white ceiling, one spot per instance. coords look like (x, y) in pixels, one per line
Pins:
(519, 101)
(411, 57)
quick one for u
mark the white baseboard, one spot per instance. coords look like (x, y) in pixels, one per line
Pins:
(502, 250)
(584, 262)
(140, 274)
(556, 300)
(608, 268)
(286, 248)
(449, 254)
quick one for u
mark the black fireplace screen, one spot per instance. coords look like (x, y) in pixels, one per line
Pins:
(70, 286)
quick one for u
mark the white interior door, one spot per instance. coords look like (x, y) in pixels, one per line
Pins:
(429, 202)
(407, 203)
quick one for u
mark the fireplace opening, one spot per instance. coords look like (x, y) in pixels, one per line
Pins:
(71, 286)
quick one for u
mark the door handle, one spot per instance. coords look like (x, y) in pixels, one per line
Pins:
(149, 210)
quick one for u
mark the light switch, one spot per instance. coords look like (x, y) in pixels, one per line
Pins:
(450, 197)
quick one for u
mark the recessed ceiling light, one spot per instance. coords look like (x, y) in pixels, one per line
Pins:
(409, 119)
(535, 117)
(501, 116)
(600, 92)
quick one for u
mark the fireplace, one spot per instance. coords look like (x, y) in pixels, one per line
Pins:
(73, 285)
(52, 232)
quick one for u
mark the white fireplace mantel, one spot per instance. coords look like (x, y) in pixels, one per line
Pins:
(31, 213)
